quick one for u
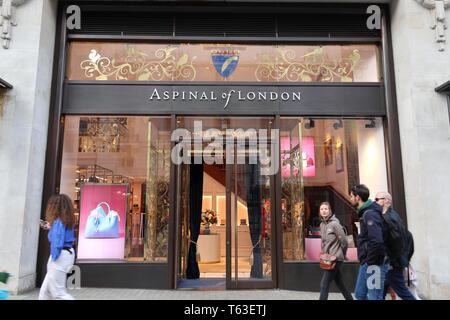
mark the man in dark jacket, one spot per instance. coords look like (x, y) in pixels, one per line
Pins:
(394, 277)
(372, 253)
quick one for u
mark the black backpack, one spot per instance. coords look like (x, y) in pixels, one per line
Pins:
(409, 245)
(399, 238)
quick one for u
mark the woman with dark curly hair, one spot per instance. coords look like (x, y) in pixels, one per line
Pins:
(60, 215)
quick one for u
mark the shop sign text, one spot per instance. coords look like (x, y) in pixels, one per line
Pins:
(225, 97)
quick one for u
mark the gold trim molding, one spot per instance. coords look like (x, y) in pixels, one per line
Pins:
(2, 100)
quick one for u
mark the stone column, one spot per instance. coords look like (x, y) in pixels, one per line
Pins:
(27, 64)
(421, 64)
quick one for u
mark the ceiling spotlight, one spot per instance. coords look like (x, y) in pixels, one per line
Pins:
(338, 125)
(372, 124)
(310, 124)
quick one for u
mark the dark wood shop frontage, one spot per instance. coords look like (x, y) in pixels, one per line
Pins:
(211, 132)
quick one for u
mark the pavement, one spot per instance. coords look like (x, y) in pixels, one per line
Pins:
(185, 294)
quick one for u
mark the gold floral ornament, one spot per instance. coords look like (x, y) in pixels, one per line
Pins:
(137, 65)
(313, 66)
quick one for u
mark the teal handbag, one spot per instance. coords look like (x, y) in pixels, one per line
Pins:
(102, 225)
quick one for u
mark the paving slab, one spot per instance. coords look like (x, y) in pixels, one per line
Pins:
(142, 294)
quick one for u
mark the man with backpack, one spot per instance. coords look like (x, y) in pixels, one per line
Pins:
(371, 245)
(399, 247)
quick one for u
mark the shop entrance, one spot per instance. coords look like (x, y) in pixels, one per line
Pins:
(225, 173)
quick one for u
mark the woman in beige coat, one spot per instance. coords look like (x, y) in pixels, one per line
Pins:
(334, 241)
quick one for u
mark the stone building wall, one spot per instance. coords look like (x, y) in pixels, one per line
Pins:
(425, 140)
(27, 65)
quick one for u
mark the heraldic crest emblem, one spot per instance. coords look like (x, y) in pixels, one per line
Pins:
(225, 61)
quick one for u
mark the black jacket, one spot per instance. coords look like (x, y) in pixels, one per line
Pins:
(372, 236)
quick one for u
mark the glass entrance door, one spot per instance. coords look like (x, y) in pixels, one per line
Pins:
(225, 191)
(250, 196)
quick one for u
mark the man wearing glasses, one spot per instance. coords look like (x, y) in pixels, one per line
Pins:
(370, 242)
(394, 277)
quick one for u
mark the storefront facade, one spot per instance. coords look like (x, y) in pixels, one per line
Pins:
(132, 88)
(110, 121)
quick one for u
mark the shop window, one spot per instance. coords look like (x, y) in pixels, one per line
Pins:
(223, 62)
(334, 155)
(101, 134)
(117, 171)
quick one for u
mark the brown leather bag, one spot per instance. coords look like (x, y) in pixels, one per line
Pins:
(327, 261)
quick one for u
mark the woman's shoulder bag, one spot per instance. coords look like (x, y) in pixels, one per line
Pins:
(327, 261)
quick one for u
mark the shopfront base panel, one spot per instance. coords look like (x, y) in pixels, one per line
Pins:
(306, 276)
(124, 275)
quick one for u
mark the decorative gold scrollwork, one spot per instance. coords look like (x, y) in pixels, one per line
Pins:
(137, 65)
(312, 66)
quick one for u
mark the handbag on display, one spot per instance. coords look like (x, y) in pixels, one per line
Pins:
(350, 240)
(102, 225)
(327, 261)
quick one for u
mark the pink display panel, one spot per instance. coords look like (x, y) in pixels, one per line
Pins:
(307, 158)
(102, 221)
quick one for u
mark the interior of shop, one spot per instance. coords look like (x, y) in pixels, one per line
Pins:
(333, 155)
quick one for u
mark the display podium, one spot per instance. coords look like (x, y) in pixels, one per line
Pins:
(314, 246)
(208, 245)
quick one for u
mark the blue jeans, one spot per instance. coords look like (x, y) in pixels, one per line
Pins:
(370, 283)
(396, 281)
